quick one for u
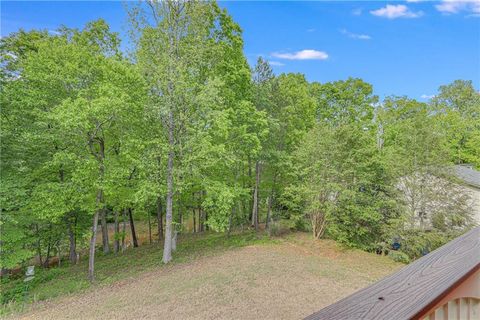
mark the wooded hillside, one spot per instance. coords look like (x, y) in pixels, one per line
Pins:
(180, 132)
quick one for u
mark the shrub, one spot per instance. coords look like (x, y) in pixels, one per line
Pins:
(399, 256)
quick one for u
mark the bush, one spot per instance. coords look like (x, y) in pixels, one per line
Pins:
(399, 256)
(417, 243)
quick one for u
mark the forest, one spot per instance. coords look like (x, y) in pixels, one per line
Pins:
(176, 131)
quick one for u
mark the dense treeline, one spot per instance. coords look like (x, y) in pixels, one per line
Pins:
(183, 134)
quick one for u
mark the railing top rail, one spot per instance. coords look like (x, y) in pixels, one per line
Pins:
(413, 289)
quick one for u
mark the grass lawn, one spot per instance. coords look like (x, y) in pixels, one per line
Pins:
(212, 276)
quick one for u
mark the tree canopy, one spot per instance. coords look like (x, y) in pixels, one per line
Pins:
(183, 131)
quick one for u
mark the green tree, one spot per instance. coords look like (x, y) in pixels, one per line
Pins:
(458, 105)
(84, 99)
(190, 55)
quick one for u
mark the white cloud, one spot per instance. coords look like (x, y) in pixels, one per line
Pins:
(456, 6)
(413, 1)
(54, 32)
(276, 63)
(427, 96)
(357, 12)
(311, 30)
(396, 11)
(355, 35)
(307, 54)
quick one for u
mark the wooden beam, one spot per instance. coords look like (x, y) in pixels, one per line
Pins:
(412, 290)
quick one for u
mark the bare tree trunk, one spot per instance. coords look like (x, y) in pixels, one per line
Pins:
(201, 220)
(93, 239)
(47, 257)
(124, 228)
(252, 189)
(132, 228)
(116, 242)
(255, 196)
(59, 254)
(105, 242)
(269, 209)
(194, 213)
(200, 226)
(149, 228)
(72, 241)
(318, 224)
(174, 240)
(160, 219)
(201, 215)
(167, 247)
(270, 200)
(39, 248)
(100, 155)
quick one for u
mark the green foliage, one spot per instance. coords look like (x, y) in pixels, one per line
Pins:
(415, 243)
(399, 256)
(458, 106)
(86, 129)
(219, 203)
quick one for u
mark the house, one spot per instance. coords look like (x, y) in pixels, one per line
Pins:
(470, 179)
(441, 198)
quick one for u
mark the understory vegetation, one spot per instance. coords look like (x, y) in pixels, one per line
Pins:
(66, 279)
(180, 133)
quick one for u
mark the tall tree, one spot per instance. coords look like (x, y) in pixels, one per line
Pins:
(458, 107)
(182, 48)
(94, 92)
(263, 85)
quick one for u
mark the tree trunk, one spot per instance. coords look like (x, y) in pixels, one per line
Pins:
(73, 243)
(269, 209)
(201, 219)
(167, 247)
(180, 214)
(132, 228)
(194, 213)
(252, 189)
(116, 242)
(149, 228)
(39, 248)
(100, 207)
(255, 196)
(124, 229)
(270, 201)
(59, 254)
(93, 239)
(174, 240)
(105, 242)
(160, 219)
(47, 257)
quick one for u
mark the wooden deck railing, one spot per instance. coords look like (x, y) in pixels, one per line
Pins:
(444, 284)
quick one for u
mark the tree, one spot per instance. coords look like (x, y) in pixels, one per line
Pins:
(341, 178)
(90, 93)
(263, 84)
(290, 114)
(418, 148)
(182, 52)
(458, 107)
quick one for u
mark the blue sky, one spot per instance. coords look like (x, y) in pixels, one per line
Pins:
(402, 48)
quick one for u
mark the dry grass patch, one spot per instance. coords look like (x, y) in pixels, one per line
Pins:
(288, 279)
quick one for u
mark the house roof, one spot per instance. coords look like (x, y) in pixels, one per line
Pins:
(468, 175)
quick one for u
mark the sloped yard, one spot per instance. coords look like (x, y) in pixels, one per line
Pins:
(285, 279)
